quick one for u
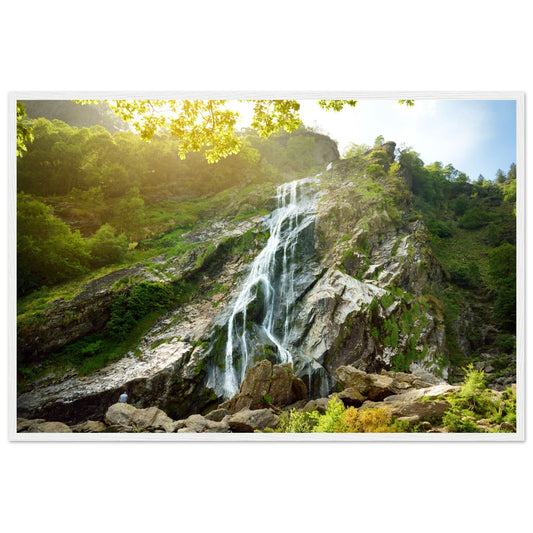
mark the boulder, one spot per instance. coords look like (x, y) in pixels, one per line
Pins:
(48, 427)
(380, 387)
(24, 423)
(266, 384)
(351, 377)
(375, 387)
(217, 415)
(149, 419)
(218, 427)
(253, 389)
(196, 423)
(430, 393)
(320, 405)
(285, 388)
(413, 410)
(247, 420)
(90, 426)
(351, 396)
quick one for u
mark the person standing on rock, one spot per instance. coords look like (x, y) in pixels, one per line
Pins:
(123, 398)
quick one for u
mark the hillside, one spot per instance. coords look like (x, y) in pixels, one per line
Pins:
(173, 279)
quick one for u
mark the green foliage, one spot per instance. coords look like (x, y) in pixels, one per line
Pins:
(106, 247)
(465, 275)
(297, 422)
(475, 402)
(375, 170)
(391, 332)
(371, 420)
(339, 419)
(24, 130)
(437, 227)
(502, 269)
(474, 218)
(386, 300)
(142, 299)
(332, 420)
(48, 251)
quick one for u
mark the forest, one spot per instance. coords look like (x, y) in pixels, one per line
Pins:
(87, 196)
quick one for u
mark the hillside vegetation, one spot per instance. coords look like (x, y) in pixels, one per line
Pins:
(91, 202)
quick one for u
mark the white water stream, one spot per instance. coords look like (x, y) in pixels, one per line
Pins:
(271, 278)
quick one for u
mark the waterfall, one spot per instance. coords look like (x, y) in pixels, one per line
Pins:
(266, 300)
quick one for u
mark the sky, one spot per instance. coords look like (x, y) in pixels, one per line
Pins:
(475, 136)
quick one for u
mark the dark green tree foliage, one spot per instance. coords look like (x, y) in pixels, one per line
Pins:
(141, 300)
(106, 247)
(502, 265)
(465, 275)
(48, 251)
(75, 114)
(474, 218)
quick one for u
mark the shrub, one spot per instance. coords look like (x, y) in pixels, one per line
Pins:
(297, 422)
(141, 300)
(439, 228)
(375, 170)
(107, 247)
(331, 420)
(474, 402)
(369, 420)
(474, 218)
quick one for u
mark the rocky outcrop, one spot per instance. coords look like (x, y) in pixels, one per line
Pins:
(357, 300)
(65, 321)
(267, 385)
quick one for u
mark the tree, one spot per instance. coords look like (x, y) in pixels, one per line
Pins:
(48, 251)
(24, 131)
(208, 125)
(106, 246)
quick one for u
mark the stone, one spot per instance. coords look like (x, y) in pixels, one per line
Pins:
(90, 426)
(221, 426)
(320, 405)
(380, 387)
(506, 426)
(351, 377)
(217, 415)
(253, 389)
(117, 428)
(351, 396)
(180, 424)
(196, 422)
(429, 393)
(247, 420)
(24, 423)
(421, 410)
(266, 385)
(285, 388)
(48, 427)
(149, 419)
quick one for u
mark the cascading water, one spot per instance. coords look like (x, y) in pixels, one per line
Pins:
(261, 313)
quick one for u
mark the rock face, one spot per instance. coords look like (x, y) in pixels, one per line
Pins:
(359, 300)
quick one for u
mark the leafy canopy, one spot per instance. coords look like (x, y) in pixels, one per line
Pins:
(208, 124)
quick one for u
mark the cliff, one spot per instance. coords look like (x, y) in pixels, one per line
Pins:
(350, 280)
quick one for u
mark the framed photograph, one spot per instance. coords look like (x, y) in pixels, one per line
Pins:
(250, 266)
